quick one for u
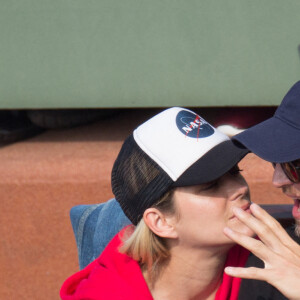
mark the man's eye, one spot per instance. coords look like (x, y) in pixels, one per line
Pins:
(296, 163)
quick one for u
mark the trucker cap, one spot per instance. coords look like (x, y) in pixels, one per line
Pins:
(175, 148)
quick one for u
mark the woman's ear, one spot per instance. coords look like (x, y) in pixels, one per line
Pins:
(159, 223)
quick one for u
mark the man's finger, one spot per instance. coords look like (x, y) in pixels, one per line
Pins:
(264, 232)
(247, 273)
(253, 245)
(264, 217)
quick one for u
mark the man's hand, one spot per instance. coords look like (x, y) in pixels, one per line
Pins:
(280, 254)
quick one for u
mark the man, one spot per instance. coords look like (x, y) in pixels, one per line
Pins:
(276, 140)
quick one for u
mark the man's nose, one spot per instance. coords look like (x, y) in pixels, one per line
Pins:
(279, 178)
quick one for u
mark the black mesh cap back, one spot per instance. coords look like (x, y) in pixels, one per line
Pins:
(137, 181)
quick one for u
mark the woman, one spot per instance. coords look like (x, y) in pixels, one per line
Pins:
(176, 178)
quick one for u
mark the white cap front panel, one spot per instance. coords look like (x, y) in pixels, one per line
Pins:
(176, 138)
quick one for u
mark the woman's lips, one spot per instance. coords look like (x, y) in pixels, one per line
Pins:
(245, 207)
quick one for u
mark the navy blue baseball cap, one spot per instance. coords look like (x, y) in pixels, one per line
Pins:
(278, 138)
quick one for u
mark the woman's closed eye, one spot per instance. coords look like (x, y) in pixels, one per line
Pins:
(235, 170)
(209, 185)
(212, 185)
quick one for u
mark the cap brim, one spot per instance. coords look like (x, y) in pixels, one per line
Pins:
(273, 140)
(213, 164)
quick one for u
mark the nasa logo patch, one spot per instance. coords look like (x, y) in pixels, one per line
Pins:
(192, 125)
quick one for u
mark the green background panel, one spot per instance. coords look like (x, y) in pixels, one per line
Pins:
(147, 53)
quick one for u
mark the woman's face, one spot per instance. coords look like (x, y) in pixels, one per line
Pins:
(204, 210)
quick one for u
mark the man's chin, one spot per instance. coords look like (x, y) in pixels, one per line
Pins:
(297, 227)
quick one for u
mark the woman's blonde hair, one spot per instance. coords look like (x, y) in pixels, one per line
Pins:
(144, 246)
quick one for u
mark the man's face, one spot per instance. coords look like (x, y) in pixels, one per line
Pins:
(290, 189)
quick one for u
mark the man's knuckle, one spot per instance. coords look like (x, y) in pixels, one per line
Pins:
(264, 230)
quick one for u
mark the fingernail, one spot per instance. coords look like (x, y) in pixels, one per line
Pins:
(237, 210)
(228, 230)
(255, 206)
(228, 269)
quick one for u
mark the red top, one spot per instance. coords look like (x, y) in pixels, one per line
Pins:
(116, 276)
